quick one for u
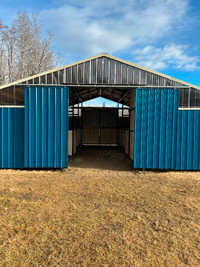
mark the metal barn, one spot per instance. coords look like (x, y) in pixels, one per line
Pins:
(43, 121)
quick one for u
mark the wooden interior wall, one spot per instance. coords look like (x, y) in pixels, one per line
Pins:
(126, 142)
(90, 135)
(99, 126)
(70, 143)
(90, 120)
(121, 138)
(74, 142)
(108, 136)
(132, 121)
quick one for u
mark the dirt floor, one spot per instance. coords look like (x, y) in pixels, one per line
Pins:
(99, 212)
(102, 158)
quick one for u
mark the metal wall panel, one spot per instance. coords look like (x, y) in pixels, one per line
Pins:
(11, 137)
(165, 137)
(46, 127)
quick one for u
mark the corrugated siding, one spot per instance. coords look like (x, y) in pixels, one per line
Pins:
(165, 137)
(46, 127)
(11, 137)
(103, 70)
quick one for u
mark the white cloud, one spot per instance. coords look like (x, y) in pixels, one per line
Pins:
(171, 55)
(90, 27)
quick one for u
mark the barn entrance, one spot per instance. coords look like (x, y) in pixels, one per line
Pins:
(106, 129)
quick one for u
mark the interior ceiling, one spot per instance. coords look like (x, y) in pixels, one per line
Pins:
(78, 95)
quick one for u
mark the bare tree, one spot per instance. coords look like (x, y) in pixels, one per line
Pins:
(1, 53)
(9, 56)
(24, 49)
(21, 29)
(43, 57)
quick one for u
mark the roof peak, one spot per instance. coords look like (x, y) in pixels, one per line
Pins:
(96, 57)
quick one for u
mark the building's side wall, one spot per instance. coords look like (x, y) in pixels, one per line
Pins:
(165, 137)
(46, 127)
(11, 138)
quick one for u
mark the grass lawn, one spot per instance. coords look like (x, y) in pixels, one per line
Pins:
(92, 217)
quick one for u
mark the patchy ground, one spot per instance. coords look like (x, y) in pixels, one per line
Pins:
(99, 217)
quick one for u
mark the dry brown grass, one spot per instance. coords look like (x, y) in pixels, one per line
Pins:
(91, 217)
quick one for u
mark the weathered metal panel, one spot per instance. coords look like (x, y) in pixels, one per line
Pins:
(80, 73)
(99, 70)
(136, 76)
(55, 77)
(74, 74)
(11, 137)
(68, 77)
(130, 75)
(112, 71)
(118, 73)
(46, 127)
(49, 78)
(93, 71)
(61, 76)
(165, 137)
(103, 70)
(124, 73)
(87, 72)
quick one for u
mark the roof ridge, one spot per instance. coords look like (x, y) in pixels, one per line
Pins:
(95, 57)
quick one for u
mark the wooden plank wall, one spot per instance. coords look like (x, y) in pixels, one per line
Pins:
(90, 135)
(108, 136)
(132, 121)
(70, 142)
(126, 138)
(99, 126)
(126, 141)
(74, 142)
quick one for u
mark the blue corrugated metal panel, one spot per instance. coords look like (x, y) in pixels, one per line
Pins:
(137, 135)
(156, 129)
(165, 137)
(12, 138)
(46, 127)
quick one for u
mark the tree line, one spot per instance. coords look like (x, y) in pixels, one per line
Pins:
(25, 49)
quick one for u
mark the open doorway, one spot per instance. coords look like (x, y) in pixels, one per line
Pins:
(101, 128)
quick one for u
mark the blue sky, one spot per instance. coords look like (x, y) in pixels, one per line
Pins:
(163, 35)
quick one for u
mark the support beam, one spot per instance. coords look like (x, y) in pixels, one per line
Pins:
(78, 95)
(130, 86)
(123, 96)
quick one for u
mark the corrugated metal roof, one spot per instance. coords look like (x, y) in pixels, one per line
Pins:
(104, 55)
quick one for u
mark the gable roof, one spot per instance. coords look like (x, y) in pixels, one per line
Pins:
(173, 81)
(102, 75)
